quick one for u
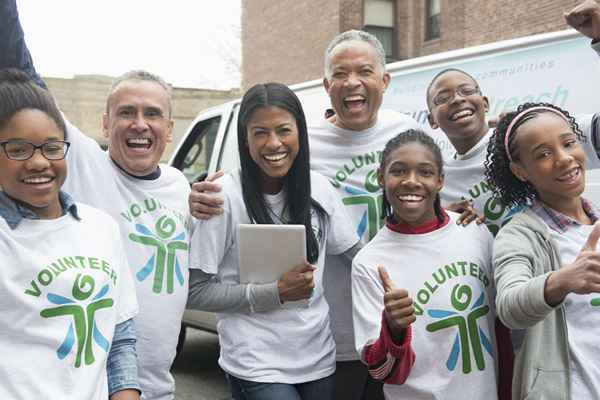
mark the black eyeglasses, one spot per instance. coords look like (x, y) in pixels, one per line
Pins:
(447, 95)
(21, 150)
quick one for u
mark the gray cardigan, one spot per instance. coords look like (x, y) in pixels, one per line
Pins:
(524, 256)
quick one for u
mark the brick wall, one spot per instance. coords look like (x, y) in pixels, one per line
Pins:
(507, 19)
(284, 40)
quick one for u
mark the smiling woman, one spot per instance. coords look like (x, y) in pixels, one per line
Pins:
(269, 346)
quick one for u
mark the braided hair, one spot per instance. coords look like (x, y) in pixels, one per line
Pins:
(406, 137)
(506, 186)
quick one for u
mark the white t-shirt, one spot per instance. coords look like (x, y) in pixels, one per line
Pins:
(583, 320)
(64, 286)
(465, 177)
(287, 345)
(448, 275)
(349, 159)
(155, 227)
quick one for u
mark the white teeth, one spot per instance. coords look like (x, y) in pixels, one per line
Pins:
(275, 157)
(569, 175)
(37, 180)
(141, 141)
(410, 197)
(461, 114)
(354, 98)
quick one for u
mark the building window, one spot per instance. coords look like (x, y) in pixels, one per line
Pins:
(379, 20)
(432, 22)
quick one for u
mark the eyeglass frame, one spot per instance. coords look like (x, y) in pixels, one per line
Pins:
(36, 147)
(455, 92)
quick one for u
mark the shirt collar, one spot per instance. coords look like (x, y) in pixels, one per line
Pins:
(150, 177)
(560, 222)
(13, 212)
(427, 227)
(475, 150)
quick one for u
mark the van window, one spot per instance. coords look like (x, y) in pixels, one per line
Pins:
(229, 159)
(194, 156)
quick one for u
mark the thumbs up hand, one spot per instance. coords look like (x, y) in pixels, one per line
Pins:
(581, 277)
(399, 311)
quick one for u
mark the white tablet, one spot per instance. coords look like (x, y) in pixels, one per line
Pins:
(268, 251)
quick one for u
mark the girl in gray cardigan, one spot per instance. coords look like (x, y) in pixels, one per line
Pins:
(547, 268)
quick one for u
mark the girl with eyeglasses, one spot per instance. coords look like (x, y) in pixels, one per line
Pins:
(66, 294)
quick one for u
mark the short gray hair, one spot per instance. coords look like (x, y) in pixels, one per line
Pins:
(354, 35)
(139, 75)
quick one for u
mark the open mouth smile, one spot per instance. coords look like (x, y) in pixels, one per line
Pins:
(275, 158)
(355, 101)
(410, 198)
(139, 143)
(571, 176)
(461, 114)
(37, 180)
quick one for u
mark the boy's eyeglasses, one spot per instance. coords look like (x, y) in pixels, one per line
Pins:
(21, 150)
(447, 95)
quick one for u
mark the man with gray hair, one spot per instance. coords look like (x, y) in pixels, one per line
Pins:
(148, 201)
(345, 148)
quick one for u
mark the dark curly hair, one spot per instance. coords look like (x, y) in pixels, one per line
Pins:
(412, 136)
(505, 185)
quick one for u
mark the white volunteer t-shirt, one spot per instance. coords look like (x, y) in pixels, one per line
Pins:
(155, 229)
(465, 179)
(286, 345)
(349, 159)
(64, 286)
(448, 275)
(582, 312)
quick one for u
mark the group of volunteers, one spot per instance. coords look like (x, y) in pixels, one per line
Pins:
(406, 294)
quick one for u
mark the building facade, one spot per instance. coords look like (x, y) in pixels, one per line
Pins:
(285, 40)
(83, 101)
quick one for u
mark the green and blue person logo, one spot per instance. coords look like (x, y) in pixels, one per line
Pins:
(370, 222)
(469, 335)
(164, 261)
(83, 331)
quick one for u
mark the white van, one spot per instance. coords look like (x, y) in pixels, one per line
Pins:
(558, 67)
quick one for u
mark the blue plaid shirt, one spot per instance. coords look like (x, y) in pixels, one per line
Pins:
(559, 222)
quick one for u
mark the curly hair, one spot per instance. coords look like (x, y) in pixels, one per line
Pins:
(506, 186)
(406, 137)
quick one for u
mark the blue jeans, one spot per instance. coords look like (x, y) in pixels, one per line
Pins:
(321, 389)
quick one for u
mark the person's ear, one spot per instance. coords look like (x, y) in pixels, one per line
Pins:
(380, 178)
(105, 125)
(170, 131)
(431, 120)
(440, 183)
(386, 81)
(326, 85)
(518, 171)
(486, 104)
